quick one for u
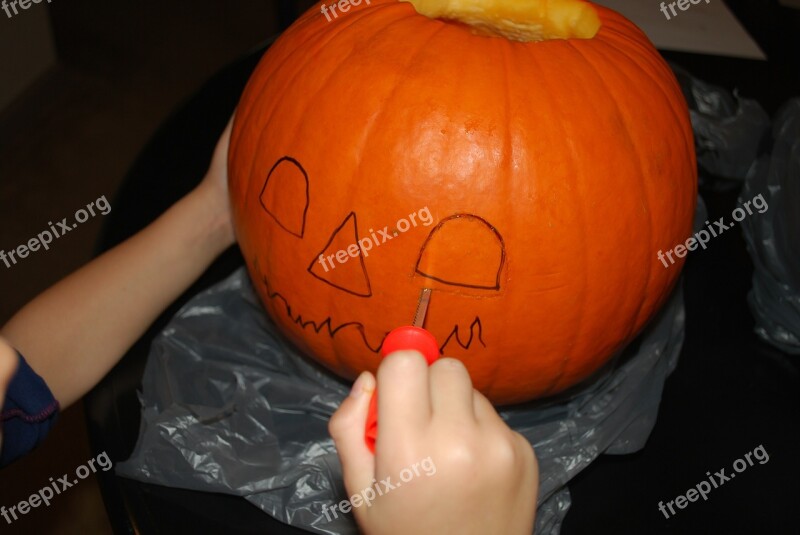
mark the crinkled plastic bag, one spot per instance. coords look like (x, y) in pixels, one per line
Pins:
(230, 406)
(730, 133)
(729, 130)
(773, 238)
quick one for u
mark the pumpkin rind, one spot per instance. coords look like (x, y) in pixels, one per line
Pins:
(578, 153)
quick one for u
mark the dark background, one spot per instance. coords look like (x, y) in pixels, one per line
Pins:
(123, 69)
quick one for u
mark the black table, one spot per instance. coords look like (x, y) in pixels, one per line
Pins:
(729, 394)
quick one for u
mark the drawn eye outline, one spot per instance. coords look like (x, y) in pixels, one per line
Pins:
(436, 233)
(275, 216)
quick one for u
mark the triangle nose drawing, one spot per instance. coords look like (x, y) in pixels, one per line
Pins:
(341, 261)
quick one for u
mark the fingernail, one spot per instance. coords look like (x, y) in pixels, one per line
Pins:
(359, 386)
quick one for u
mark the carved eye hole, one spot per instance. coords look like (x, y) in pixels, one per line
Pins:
(463, 240)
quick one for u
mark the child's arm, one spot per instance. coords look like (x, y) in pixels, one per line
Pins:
(8, 365)
(76, 331)
(445, 462)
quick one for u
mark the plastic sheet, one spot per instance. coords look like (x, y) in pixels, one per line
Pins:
(230, 406)
(773, 238)
(729, 130)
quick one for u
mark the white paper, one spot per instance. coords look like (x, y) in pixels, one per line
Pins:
(707, 28)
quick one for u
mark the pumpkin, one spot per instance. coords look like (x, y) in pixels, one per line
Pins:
(543, 150)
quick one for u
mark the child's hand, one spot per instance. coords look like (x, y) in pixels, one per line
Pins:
(214, 190)
(445, 462)
(8, 364)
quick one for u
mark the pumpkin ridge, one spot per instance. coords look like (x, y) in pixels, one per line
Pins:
(302, 63)
(659, 72)
(580, 214)
(272, 106)
(307, 58)
(247, 106)
(387, 98)
(507, 161)
(618, 26)
(661, 76)
(677, 123)
(374, 121)
(357, 19)
(644, 190)
(637, 324)
(681, 123)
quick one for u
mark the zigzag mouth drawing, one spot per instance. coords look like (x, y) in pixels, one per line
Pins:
(327, 325)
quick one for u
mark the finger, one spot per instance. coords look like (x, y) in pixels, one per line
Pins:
(485, 412)
(404, 406)
(451, 390)
(223, 143)
(347, 430)
(226, 134)
(219, 158)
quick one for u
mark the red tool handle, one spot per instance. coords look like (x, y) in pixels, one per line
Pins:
(407, 337)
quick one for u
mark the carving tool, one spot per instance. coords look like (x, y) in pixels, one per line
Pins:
(406, 337)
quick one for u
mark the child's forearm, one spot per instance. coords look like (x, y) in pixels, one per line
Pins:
(76, 331)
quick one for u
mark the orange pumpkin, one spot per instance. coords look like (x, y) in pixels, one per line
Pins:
(548, 143)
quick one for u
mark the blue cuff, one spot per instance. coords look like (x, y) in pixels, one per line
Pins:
(29, 411)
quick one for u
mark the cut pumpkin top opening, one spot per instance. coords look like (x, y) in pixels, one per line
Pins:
(518, 20)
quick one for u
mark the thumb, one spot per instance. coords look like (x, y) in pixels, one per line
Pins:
(347, 427)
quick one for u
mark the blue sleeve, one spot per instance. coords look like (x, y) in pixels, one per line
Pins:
(28, 412)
